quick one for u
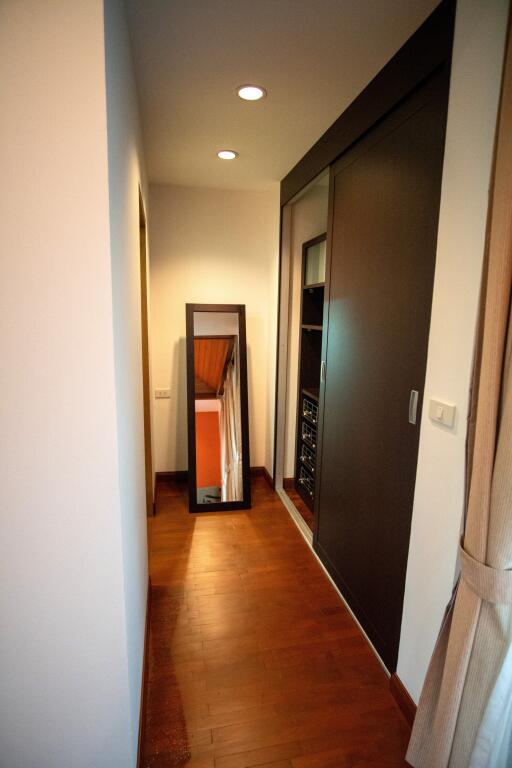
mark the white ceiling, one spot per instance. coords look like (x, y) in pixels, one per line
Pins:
(313, 57)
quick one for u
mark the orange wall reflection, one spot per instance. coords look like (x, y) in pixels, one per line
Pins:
(208, 449)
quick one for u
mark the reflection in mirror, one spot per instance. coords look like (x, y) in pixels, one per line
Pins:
(217, 404)
(218, 437)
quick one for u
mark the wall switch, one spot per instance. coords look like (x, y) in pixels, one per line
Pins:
(442, 413)
(162, 394)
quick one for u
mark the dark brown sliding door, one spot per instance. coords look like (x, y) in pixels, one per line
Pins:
(385, 201)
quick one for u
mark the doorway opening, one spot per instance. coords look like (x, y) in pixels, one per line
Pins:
(301, 302)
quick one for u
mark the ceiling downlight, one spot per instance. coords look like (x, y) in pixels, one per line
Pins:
(251, 92)
(227, 154)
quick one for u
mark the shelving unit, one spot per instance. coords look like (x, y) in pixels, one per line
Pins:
(310, 349)
(312, 392)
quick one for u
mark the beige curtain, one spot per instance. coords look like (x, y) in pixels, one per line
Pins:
(464, 716)
(231, 434)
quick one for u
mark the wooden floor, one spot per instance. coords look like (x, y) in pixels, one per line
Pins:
(301, 507)
(253, 660)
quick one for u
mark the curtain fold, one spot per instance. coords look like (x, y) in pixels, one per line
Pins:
(231, 434)
(464, 715)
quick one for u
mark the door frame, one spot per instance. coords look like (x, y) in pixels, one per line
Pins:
(146, 378)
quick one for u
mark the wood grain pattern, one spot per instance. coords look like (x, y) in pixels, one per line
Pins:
(253, 659)
(262, 472)
(402, 698)
(211, 355)
(301, 507)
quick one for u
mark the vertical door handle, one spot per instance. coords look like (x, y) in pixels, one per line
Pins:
(322, 371)
(413, 406)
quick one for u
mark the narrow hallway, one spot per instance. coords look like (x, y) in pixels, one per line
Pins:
(253, 659)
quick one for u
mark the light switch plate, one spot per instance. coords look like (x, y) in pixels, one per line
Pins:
(162, 394)
(442, 413)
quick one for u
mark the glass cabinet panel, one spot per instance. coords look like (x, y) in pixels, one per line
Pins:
(315, 264)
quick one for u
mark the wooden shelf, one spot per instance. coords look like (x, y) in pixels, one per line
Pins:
(310, 352)
(313, 285)
(312, 392)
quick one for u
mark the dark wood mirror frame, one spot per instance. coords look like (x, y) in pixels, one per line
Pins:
(219, 506)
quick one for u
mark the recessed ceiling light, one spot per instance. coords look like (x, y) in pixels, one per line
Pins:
(227, 154)
(251, 92)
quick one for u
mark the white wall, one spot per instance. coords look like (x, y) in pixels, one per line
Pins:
(308, 219)
(67, 565)
(126, 175)
(438, 503)
(212, 246)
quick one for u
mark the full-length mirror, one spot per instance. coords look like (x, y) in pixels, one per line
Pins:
(218, 429)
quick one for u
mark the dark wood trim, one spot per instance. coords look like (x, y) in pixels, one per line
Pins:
(183, 475)
(402, 698)
(238, 309)
(144, 684)
(308, 244)
(434, 87)
(289, 483)
(207, 396)
(263, 472)
(162, 477)
(234, 308)
(429, 48)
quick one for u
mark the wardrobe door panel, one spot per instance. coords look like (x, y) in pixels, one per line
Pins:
(385, 207)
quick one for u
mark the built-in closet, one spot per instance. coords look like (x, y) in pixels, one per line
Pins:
(362, 330)
(310, 366)
(304, 324)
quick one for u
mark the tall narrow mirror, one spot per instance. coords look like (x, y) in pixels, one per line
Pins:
(218, 424)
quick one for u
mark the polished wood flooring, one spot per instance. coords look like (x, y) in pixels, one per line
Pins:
(301, 507)
(253, 659)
